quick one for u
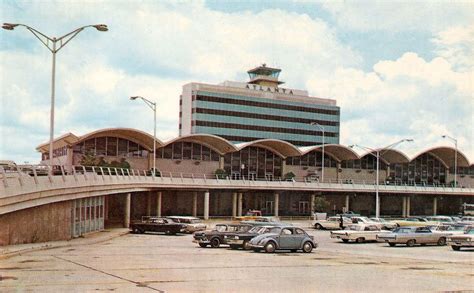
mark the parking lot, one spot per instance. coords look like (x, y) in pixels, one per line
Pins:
(153, 262)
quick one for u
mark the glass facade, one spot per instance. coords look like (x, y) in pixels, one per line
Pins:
(244, 118)
(425, 169)
(253, 163)
(187, 151)
(312, 159)
(368, 162)
(110, 146)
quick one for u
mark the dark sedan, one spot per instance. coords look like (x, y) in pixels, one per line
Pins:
(215, 237)
(154, 224)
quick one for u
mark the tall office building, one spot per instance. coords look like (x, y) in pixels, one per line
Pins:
(259, 108)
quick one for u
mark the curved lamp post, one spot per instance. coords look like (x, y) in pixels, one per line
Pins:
(322, 162)
(377, 156)
(455, 157)
(152, 106)
(54, 45)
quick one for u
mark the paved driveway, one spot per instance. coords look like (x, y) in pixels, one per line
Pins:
(135, 263)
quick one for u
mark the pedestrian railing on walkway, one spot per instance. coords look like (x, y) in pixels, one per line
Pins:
(31, 178)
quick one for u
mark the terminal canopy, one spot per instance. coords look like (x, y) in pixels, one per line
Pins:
(446, 155)
(217, 143)
(337, 151)
(282, 148)
(137, 136)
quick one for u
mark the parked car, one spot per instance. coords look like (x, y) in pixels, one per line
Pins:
(462, 240)
(250, 215)
(155, 224)
(367, 221)
(287, 238)
(386, 224)
(467, 220)
(452, 229)
(413, 222)
(414, 235)
(359, 233)
(264, 221)
(331, 223)
(193, 224)
(215, 237)
(242, 239)
(440, 219)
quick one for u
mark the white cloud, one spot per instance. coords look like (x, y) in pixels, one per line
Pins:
(399, 15)
(456, 44)
(404, 98)
(153, 48)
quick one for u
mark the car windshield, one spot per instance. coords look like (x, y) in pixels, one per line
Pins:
(353, 228)
(402, 230)
(196, 221)
(221, 228)
(470, 231)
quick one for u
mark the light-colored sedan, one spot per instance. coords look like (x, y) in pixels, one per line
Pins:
(359, 233)
(331, 223)
(193, 224)
(386, 224)
(414, 235)
(463, 240)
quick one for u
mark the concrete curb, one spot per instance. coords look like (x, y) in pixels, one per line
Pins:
(93, 238)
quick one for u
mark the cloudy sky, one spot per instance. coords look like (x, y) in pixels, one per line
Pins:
(397, 69)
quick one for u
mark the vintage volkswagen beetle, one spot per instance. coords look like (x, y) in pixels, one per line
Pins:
(242, 239)
(283, 238)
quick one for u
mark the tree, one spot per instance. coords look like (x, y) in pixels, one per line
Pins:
(220, 173)
(320, 204)
(290, 176)
(88, 159)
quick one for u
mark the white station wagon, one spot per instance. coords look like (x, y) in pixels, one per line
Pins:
(359, 233)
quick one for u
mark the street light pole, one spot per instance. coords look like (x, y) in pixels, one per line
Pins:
(152, 106)
(377, 156)
(322, 156)
(53, 48)
(455, 157)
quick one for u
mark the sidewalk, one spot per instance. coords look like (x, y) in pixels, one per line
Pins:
(92, 238)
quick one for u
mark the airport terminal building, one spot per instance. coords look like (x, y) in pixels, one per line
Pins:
(258, 130)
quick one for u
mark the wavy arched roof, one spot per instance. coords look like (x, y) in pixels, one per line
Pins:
(134, 135)
(390, 156)
(446, 155)
(337, 151)
(65, 139)
(217, 143)
(280, 147)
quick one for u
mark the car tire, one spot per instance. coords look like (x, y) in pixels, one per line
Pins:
(307, 247)
(455, 247)
(441, 241)
(360, 240)
(411, 243)
(318, 227)
(203, 245)
(233, 246)
(270, 247)
(392, 244)
(345, 240)
(246, 245)
(215, 242)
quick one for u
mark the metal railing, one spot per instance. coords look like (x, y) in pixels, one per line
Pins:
(31, 175)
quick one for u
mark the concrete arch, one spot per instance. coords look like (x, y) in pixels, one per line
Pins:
(446, 155)
(390, 156)
(280, 147)
(63, 140)
(131, 134)
(216, 143)
(336, 151)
